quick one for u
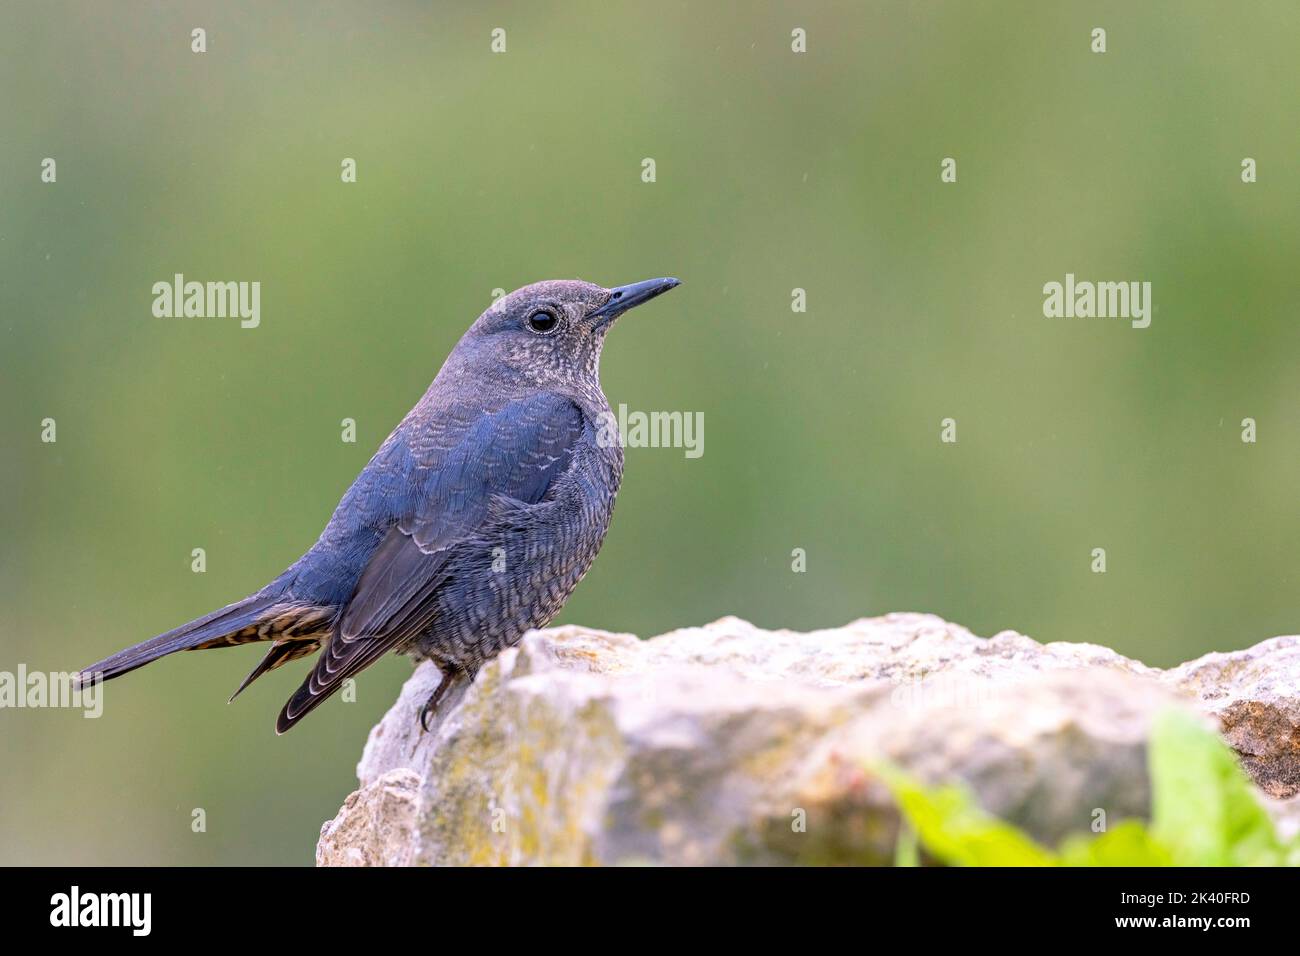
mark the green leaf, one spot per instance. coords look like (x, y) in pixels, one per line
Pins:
(1203, 806)
(905, 848)
(1128, 843)
(957, 831)
(1205, 812)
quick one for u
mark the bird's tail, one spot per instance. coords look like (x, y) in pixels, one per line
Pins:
(261, 617)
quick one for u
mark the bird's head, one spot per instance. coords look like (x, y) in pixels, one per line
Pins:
(552, 332)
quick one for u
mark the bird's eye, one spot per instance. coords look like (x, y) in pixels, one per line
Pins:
(543, 321)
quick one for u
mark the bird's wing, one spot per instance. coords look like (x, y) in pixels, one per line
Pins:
(514, 453)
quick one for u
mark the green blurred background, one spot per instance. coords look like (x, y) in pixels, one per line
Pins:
(775, 171)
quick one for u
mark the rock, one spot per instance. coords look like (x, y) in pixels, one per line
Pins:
(1255, 696)
(728, 744)
(377, 825)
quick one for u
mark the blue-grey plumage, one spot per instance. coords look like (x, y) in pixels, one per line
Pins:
(472, 523)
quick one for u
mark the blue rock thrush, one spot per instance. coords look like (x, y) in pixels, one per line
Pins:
(473, 522)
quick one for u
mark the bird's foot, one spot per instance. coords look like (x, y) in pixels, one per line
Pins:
(430, 707)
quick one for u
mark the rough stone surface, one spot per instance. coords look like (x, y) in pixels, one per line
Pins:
(377, 825)
(731, 744)
(1255, 695)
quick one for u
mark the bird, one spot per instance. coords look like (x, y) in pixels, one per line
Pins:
(472, 523)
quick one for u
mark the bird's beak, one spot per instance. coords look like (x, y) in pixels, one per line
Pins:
(626, 297)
